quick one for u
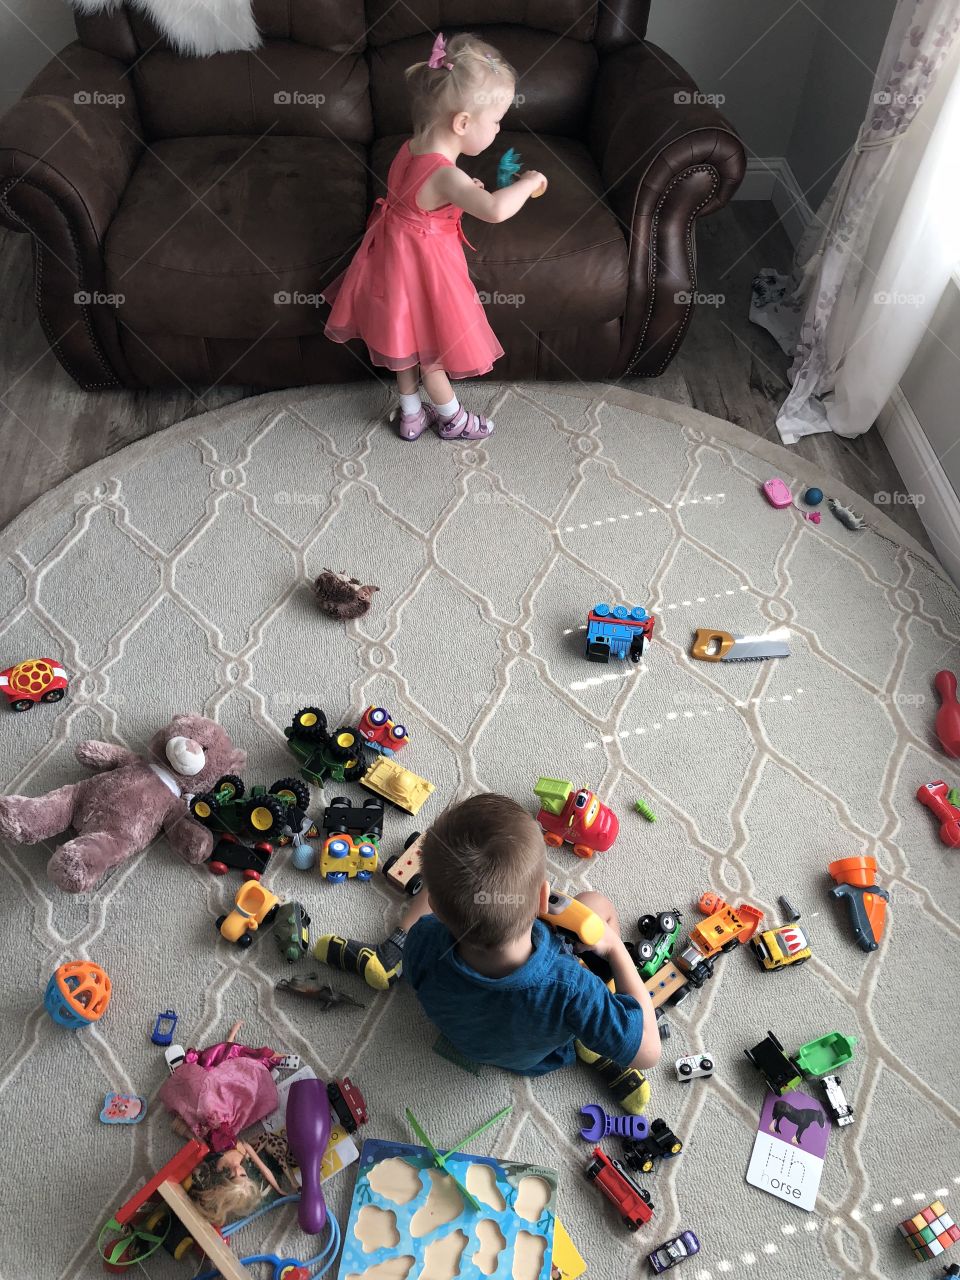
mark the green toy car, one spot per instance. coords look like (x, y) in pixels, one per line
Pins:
(341, 756)
(291, 931)
(275, 813)
(659, 935)
(826, 1055)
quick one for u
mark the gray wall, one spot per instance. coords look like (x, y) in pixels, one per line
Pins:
(932, 382)
(836, 92)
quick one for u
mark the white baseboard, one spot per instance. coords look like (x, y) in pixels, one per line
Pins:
(771, 178)
(923, 475)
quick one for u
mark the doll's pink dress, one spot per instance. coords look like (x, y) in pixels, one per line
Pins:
(407, 293)
(220, 1091)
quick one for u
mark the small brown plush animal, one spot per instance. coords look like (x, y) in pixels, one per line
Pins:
(342, 597)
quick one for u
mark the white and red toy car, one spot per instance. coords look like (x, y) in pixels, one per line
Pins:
(694, 1065)
(380, 733)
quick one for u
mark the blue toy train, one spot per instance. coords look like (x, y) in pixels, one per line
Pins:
(614, 631)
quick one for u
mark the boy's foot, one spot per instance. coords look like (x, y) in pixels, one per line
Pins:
(380, 967)
(465, 426)
(413, 425)
(628, 1085)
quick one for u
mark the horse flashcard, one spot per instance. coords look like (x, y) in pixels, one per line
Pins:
(790, 1148)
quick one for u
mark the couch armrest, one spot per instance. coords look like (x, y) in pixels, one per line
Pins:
(666, 156)
(67, 151)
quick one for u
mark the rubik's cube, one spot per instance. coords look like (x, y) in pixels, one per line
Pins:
(930, 1232)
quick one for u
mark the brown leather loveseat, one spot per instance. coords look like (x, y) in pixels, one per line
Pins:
(186, 213)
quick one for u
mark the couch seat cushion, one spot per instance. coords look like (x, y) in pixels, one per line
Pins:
(235, 236)
(562, 260)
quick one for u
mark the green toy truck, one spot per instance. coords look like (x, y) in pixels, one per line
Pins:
(275, 813)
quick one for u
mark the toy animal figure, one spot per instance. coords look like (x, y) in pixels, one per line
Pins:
(342, 597)
(120, 811)
(801, 1117)
(846, 517)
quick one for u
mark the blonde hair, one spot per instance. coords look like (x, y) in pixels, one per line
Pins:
(438, 91)
(484, 863)
(222, 1199)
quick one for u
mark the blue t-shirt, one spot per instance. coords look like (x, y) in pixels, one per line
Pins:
(528, 1020)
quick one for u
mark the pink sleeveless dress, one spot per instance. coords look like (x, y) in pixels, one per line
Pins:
(407, 293)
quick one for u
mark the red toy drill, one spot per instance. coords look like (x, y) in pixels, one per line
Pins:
(934, 796)
(866, 900)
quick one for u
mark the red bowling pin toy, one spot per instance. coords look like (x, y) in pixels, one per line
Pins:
(947, 726)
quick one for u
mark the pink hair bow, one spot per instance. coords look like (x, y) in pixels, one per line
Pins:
(438, 53)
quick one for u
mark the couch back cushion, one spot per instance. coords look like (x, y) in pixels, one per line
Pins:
(308, 77)
(553, 93)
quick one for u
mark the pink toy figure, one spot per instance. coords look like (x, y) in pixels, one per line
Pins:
(218, 1092)
(947, 724)
(308, 1129)
(407, 294)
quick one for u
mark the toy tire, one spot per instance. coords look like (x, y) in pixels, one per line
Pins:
(707, 1064)
(411, 839)
(52, 695)
(297, 789)
(268, 804)
(244, 941)
(685, 1069)
(631, 1225)
(271, 915)
(220, 920)
(217, 868)
(666, 922)
(592, 1169)
(339, 802)
(316, 732)
(22, 704)
(209, 799)
(645, 952)
(231, 779)
(355, 772)
(362, 875)
(335, 877)
(414, 885)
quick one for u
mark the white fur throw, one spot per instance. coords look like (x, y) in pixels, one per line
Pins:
(197, 27)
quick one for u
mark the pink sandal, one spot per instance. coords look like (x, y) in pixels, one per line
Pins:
(413, 425)
(465, 426)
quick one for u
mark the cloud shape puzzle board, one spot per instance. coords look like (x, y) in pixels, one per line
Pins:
(408, 1220)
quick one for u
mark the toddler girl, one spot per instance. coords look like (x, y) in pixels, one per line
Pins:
(407, 293)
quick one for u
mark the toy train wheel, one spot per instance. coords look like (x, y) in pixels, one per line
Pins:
(292, 790)
(311, 724)
(414, 885)
(230, 782)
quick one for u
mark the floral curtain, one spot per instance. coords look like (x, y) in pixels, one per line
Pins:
(839, 298)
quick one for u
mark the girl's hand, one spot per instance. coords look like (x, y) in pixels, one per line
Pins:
(536, 180)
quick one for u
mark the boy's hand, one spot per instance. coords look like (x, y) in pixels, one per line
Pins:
(609, 942)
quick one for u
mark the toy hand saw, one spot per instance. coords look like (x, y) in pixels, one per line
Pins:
(721, 646)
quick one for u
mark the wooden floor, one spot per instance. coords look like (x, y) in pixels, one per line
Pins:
(50, 429)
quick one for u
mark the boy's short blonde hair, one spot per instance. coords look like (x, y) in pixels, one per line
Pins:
(438, 91)
(484, 863)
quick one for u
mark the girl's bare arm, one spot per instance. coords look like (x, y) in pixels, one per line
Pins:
(451, 185)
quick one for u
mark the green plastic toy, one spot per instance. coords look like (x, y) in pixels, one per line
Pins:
(552, 793)
(823, 1056)
(440, 1158)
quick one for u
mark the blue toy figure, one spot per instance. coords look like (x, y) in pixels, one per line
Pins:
(618, 632)
(508, 168)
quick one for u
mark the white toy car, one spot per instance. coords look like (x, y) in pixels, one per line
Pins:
(837, 1104)
(695, 1064)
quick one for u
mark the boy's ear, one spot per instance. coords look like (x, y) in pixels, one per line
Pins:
(544, 898)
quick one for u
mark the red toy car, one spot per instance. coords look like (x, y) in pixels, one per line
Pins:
(380, 732)
(575, 817)
(631, 1200)
(33, 680)
(348, 1103)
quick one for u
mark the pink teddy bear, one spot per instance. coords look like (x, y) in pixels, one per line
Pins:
(119, 812)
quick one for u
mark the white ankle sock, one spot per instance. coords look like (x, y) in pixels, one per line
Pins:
(410, 403)
(448, 410)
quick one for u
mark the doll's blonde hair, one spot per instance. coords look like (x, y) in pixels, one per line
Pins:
(222, 1199)
(438, 91)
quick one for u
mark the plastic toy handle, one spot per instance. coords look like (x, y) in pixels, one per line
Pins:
(308, 1129)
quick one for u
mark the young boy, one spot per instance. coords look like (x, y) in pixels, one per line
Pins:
(499, 983)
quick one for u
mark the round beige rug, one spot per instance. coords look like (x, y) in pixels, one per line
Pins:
(175, 576)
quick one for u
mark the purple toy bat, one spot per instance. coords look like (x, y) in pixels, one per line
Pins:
(308, 1128)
